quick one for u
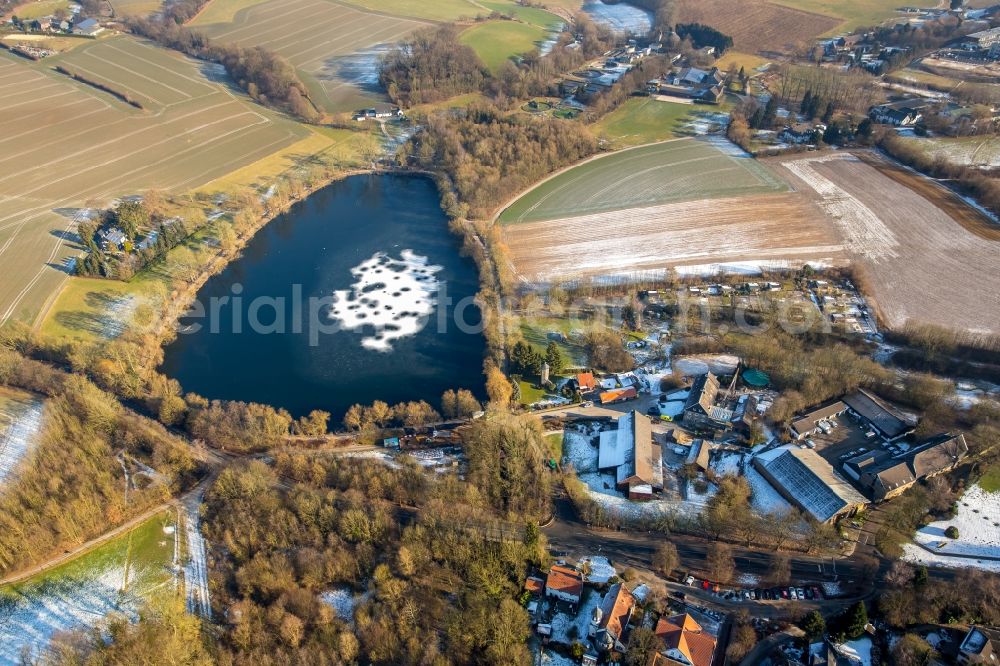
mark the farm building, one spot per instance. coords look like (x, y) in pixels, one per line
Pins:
(564, 584)
(870, 410)
(618, 395)
(809, 482)
(701, 411)
(884, 476)
(611, 619)
(629, 451)
(685, 642)
(984, 39)
(877, 414)
(692, 83)
(88, 28)
(906, 113)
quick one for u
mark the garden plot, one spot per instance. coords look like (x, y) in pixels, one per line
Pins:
(20, 424)
(978, 524)
(568, 629)
(118, 577)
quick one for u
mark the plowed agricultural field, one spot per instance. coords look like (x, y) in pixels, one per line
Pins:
(778, 229)
(64, 143)
(335, 47)
(931, 258)
(679, 170)
(757, 25)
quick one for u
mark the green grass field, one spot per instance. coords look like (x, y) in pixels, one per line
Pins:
(990, 482)
(855, 13)
(908, 75)
(677, 170)
(119, 576)
(645, 120)
(496, 42)
(965, 150)
(33, 10)
(533, 15)
(222, 11)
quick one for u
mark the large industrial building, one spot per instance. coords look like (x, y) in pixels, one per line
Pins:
(809, 482)
(631, 454)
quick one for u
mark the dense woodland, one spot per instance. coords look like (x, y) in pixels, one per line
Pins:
(490, 156)
(72, 487)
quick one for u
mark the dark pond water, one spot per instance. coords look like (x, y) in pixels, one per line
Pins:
(369, 260)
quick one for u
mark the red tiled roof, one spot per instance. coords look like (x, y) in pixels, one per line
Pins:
(682, 633)
(586, 381)
(534, 585)
(618, 394)
(564, 579)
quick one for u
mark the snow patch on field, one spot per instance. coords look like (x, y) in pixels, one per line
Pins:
(917, 555)
(395, 297)
(978, 523)
(601, 570)
(858, 651)
(20, 423)
(865, 232)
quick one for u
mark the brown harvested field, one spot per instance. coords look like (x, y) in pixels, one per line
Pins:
(929, 258)
(777, 229)
(757, 25)
(64, 143)
(334, 47)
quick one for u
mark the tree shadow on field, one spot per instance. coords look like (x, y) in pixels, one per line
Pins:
(100, 299)
(72, 239)
(87, 322)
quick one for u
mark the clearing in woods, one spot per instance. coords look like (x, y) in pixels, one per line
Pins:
(64, 143)
(758, 25)
(120, 576)
(496, 42)
(334, 47)
(20, 424)
(677, 170)
(642, 120)
(930, 258)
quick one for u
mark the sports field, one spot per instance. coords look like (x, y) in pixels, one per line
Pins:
(677, 170)
(335, 47)
(65, 145)
(496, 42)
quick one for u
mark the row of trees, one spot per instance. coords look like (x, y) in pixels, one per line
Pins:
(264, 75)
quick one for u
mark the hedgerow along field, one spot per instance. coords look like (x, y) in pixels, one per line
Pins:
(677, 170)
(65, 145)
(334, 47)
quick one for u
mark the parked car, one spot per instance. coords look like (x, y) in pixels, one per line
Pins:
(784, 593)
(800, 593)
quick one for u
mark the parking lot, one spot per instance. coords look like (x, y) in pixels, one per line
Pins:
(845, 440)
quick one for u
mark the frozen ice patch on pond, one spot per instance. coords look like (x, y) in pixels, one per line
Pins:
(393, 296)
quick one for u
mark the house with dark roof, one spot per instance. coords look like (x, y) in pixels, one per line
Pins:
(809, 423)
(905, 113)
(701, 411)
(685, 642)
(883, 476)
(878, 414)
(700, 85)
(630, 453)
(977, 648)
(611, 617)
